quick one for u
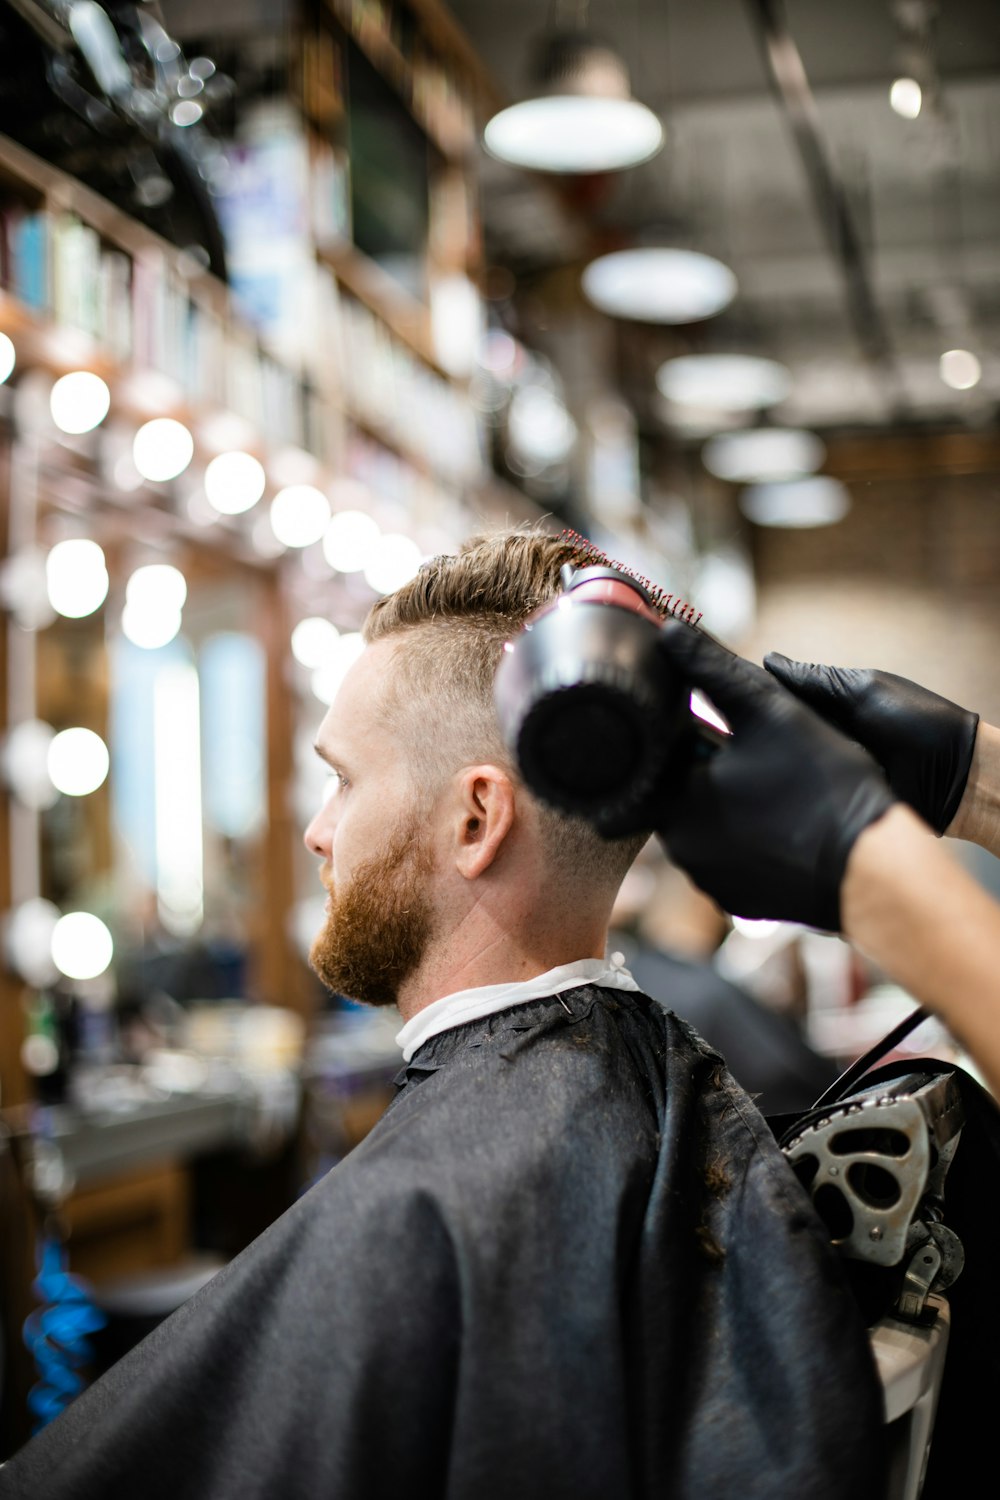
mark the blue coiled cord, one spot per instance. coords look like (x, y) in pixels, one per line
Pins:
(56, 1334)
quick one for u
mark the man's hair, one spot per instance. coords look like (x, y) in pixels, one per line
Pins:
(454, 618)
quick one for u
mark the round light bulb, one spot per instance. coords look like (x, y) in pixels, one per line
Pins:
(157, 586)
(82, 946)
(149, 628)
(186, 112)
(77, 762)
(350, 540)
(76, 577)
(300, 514)
(313, 640)
(326, 679)
(79, 402)
(28, 940)
(906, 97)
(395, 561)
(162, 449)
(960, 369)
(234, 482)
(25, 768)
(8, 357)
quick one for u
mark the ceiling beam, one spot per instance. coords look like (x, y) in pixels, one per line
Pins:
(790, 84)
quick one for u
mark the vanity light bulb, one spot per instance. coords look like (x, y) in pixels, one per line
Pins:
(76, 576)
(395, 561)
(149, 628)
(300, 514)
(234, 482)
(28, 940)
(77, 762)
(79, 402)
(23, 761)
(162, 449)
(8, 357)
(157, 586)
(350, 540)
(314, 640)
(326, 679)
(82, 946)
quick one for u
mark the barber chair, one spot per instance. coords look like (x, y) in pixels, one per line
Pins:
(874, 1164)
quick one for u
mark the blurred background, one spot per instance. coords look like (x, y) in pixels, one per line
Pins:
(295, 295)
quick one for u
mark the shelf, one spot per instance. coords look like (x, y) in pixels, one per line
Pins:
(93, 1146)
(22, 169)
(407, 318)
(387, 60)
(177, 344)
(441, 28)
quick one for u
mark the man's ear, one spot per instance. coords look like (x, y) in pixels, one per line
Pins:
(484, 815)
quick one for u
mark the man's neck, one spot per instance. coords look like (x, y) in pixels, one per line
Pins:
(500, 958)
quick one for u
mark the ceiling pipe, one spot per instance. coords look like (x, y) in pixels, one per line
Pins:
(787, 76)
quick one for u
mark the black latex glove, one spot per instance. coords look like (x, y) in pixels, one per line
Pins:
(764, 824)
(923, 742)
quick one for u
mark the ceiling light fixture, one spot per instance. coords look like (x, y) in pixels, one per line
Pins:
(724, 382)
(659, 285)
(763, 454)
(906, 97)
(815, 501)
(582, 118)
(960, 369)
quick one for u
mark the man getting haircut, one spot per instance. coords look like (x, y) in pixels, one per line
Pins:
(569, 1260)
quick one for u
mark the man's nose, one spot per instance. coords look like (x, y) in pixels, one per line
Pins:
(317, 836)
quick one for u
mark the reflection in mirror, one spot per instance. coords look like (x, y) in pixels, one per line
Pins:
(166, 850)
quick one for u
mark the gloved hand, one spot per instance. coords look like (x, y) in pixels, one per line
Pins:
(764, 823)
(923, 742)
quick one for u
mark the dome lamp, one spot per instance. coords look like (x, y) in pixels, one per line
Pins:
(581, 118)
(659, 285)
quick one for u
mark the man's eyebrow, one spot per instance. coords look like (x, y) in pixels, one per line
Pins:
(326, 756)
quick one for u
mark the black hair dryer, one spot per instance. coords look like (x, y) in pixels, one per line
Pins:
(590, 709)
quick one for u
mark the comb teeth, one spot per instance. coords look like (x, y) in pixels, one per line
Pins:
(666, 605)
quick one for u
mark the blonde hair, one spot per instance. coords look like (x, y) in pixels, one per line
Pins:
(453, 619)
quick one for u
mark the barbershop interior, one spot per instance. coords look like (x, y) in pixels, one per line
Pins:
(295, 296)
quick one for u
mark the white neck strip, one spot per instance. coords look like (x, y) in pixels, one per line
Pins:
(471, 1005)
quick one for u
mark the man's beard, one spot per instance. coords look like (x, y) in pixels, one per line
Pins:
(378, 926)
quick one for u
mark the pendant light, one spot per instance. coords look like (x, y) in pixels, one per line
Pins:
(659, 285)
(581, 116)
(724, 382)
(814, 500)
(762, 455)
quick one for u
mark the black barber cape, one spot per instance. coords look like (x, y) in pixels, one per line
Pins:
(569, 1263)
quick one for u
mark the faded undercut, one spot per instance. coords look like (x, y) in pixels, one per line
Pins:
(453, 619)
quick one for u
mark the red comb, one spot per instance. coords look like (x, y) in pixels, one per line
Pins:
(590, 555)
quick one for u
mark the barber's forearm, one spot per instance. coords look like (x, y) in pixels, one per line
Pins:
(908, 905)
(978, 816)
